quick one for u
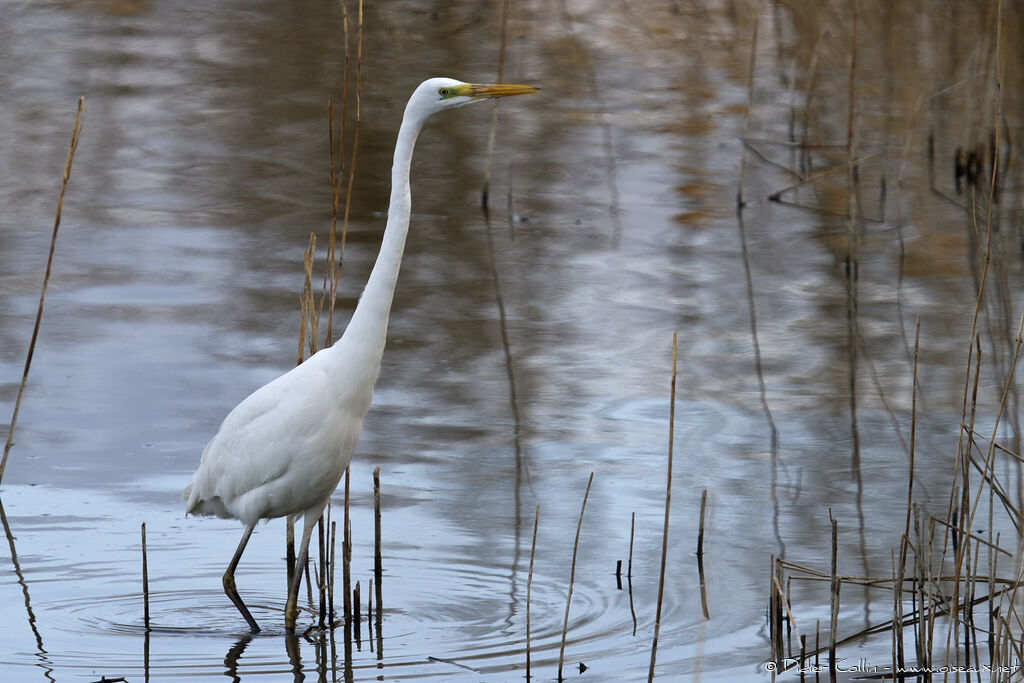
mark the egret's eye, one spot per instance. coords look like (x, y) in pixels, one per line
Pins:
(444, 92)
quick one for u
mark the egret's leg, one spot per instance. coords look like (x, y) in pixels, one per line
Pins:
(291, 609)
(229, 580)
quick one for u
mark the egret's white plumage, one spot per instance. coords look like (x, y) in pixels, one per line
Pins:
(282, 451)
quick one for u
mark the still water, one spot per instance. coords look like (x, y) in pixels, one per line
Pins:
(525, 351)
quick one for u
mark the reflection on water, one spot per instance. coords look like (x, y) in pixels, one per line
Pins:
(527, 347)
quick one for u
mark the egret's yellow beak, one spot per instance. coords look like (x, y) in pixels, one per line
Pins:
(496, 90)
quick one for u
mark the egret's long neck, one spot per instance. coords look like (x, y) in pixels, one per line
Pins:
(363, 341)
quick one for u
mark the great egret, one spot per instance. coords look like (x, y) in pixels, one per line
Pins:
(282, 451)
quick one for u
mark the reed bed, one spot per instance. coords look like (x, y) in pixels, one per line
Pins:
(953, 591)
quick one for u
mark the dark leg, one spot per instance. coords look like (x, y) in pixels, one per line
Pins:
(229, 580)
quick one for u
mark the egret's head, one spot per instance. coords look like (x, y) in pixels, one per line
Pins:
(437, 94)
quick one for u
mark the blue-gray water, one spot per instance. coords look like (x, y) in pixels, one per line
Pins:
(202, 169)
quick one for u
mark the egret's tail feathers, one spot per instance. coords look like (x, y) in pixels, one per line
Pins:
(195, 505)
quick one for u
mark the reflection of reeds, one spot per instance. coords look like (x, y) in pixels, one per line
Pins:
(746, 115)
(485, 190)
(700, 555)
(72, 146)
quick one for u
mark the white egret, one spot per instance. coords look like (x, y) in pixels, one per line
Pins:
(282, 451)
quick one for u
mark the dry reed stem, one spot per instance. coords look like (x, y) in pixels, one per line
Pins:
(346, 551)
(322, 579)
(72, 146)
(331, 582)
(668, 508)
(773, 610)
(913, 429)
(145, 580)
(331, 268)
(834, 584)
(777, 195)
(356, 607)
(572, 576)
(529, 586)
(990, 455)
(355, 136)
(629, 570)
(378, 564)
(987, 261)
(996, 489)
(784, 601)
(897, 607)
(309, 313)
(332, 265)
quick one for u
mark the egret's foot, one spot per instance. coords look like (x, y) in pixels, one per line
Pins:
(232, 592)
(291, 613)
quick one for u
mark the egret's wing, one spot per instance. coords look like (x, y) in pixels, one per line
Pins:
(269, 434)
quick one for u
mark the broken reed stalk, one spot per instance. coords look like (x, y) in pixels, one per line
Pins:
(72, 146)
(989, 463)
(668, 508)
(355, 136)
(145, 580)
(369, 613)
(346, 552)
(355, 608)
(309, 580)
(572, 576)
(898, 660)
(629, 571)
(330, 579)
(913, 432)
(308, 314)
(529, 586)
(378, 564)
(775, 612)
(750, 105)
(834, 602)
(784, 602)
(309, 317)
(332, 265)
(331, 268)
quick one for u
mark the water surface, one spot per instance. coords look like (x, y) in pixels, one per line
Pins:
(203, 168)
